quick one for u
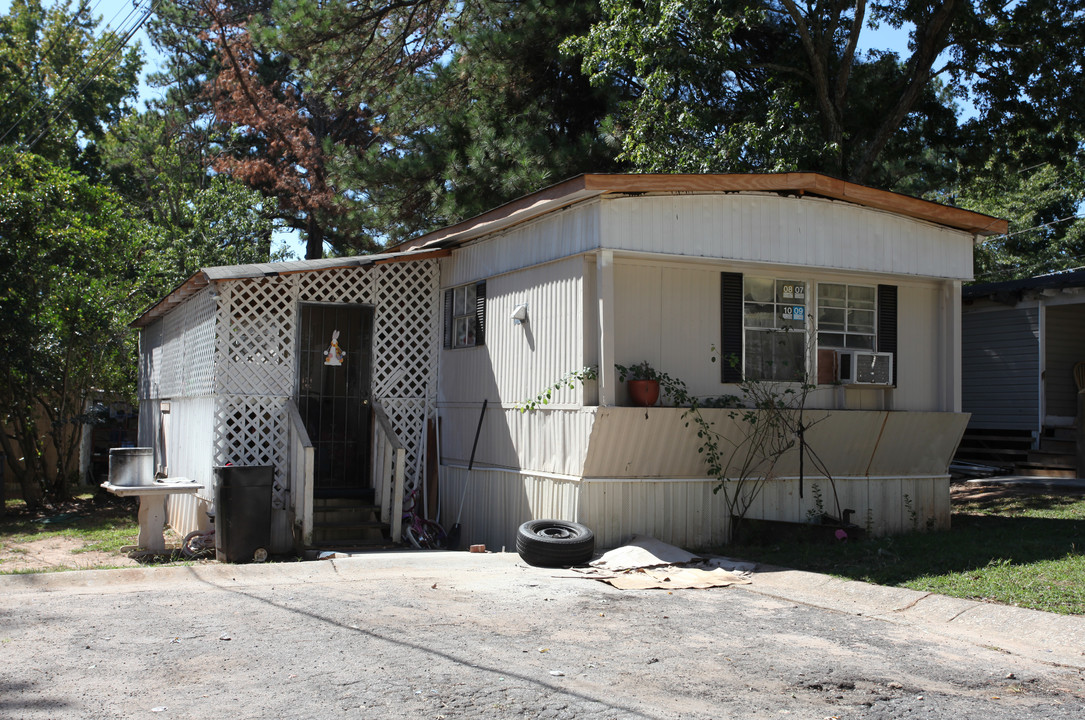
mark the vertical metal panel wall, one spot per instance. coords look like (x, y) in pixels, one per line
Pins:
(1000, 368)
(517, 361)
(797, 231)
(177, 364)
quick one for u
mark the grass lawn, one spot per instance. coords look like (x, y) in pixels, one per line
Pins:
(1016, 549)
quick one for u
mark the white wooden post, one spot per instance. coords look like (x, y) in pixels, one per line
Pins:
(604, 264)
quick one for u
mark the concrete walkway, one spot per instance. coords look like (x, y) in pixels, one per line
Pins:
(1040, 636)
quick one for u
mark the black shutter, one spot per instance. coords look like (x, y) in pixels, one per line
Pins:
(448, 319)
(731, 326)
(480, 314)
(887, 323)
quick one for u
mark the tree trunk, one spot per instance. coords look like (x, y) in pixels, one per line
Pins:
(314, 239)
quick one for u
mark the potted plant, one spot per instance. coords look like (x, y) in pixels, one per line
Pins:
(642, 381)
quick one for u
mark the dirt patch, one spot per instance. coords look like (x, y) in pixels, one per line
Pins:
(82, 534)
(57, 553)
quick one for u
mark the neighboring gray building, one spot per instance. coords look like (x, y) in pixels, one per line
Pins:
(1020, 342)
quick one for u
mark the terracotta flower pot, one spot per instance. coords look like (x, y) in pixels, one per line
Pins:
(643, 393)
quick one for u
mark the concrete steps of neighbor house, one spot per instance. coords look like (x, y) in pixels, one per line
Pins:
(1000, 448)
(1056, 456)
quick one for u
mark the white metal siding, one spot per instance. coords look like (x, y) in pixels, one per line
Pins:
(189, 447)
(1065, 338)
(682, 512)
(518, 361)
(920, 350)
(655, 443)
(669, 315)
(1000, 368)
(811, 232)
(557, 235)
(550, 441)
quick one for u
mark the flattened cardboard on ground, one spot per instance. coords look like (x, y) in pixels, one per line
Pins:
(674, 577)
(647, 563)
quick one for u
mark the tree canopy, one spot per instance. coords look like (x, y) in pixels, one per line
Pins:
(732, 85)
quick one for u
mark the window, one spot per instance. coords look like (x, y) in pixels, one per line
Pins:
(846, 316)
(465, 315)
(763, 324)
(774, 328)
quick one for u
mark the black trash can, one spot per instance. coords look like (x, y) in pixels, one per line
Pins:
(243, 512)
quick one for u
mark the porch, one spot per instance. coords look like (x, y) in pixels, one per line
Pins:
(223, 381)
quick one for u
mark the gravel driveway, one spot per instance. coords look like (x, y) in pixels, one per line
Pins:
(445, 635)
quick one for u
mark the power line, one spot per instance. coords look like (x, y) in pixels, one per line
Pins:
(54, 106)
(90, 73)
(45, 53)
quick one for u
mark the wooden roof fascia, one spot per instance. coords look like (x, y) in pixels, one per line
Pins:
(175, 297)
(588, 186)
(800, 182)
(409, 257)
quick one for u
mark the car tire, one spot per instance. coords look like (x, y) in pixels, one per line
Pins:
(555, 543)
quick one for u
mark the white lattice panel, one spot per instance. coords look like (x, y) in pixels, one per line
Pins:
(173, 353)
(149, 339)
(341, 285)
(254, 351)
(405, 343)
(199, 355)
(252, 430)
(255, 340)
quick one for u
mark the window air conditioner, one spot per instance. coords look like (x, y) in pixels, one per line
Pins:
(866, 368)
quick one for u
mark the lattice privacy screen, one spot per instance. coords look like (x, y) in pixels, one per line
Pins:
(177, 351)
(255, 357)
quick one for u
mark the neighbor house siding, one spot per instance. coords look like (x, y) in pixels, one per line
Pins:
(1000, 368)
(1065, 335)
(803, 231)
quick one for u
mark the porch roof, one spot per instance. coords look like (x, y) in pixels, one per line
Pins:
(1013, 290)
(205, 276)
(584, 187)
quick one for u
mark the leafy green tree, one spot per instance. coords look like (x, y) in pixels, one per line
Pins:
(63, 80)
(194, 218)
(69, 284)
(503, 114)
(726, 85)
(1042, 204)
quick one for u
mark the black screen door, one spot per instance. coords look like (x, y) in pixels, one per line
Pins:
(335, 361)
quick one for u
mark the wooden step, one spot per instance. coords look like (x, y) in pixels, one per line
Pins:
(1068, 447)
(345, 514)
(1039, 470)
(1052, 459)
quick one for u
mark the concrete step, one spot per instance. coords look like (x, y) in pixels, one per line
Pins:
(345, 514)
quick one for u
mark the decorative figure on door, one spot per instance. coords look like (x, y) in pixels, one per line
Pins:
(333, 355)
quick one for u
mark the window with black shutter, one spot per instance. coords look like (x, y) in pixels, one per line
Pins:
(465, 316)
